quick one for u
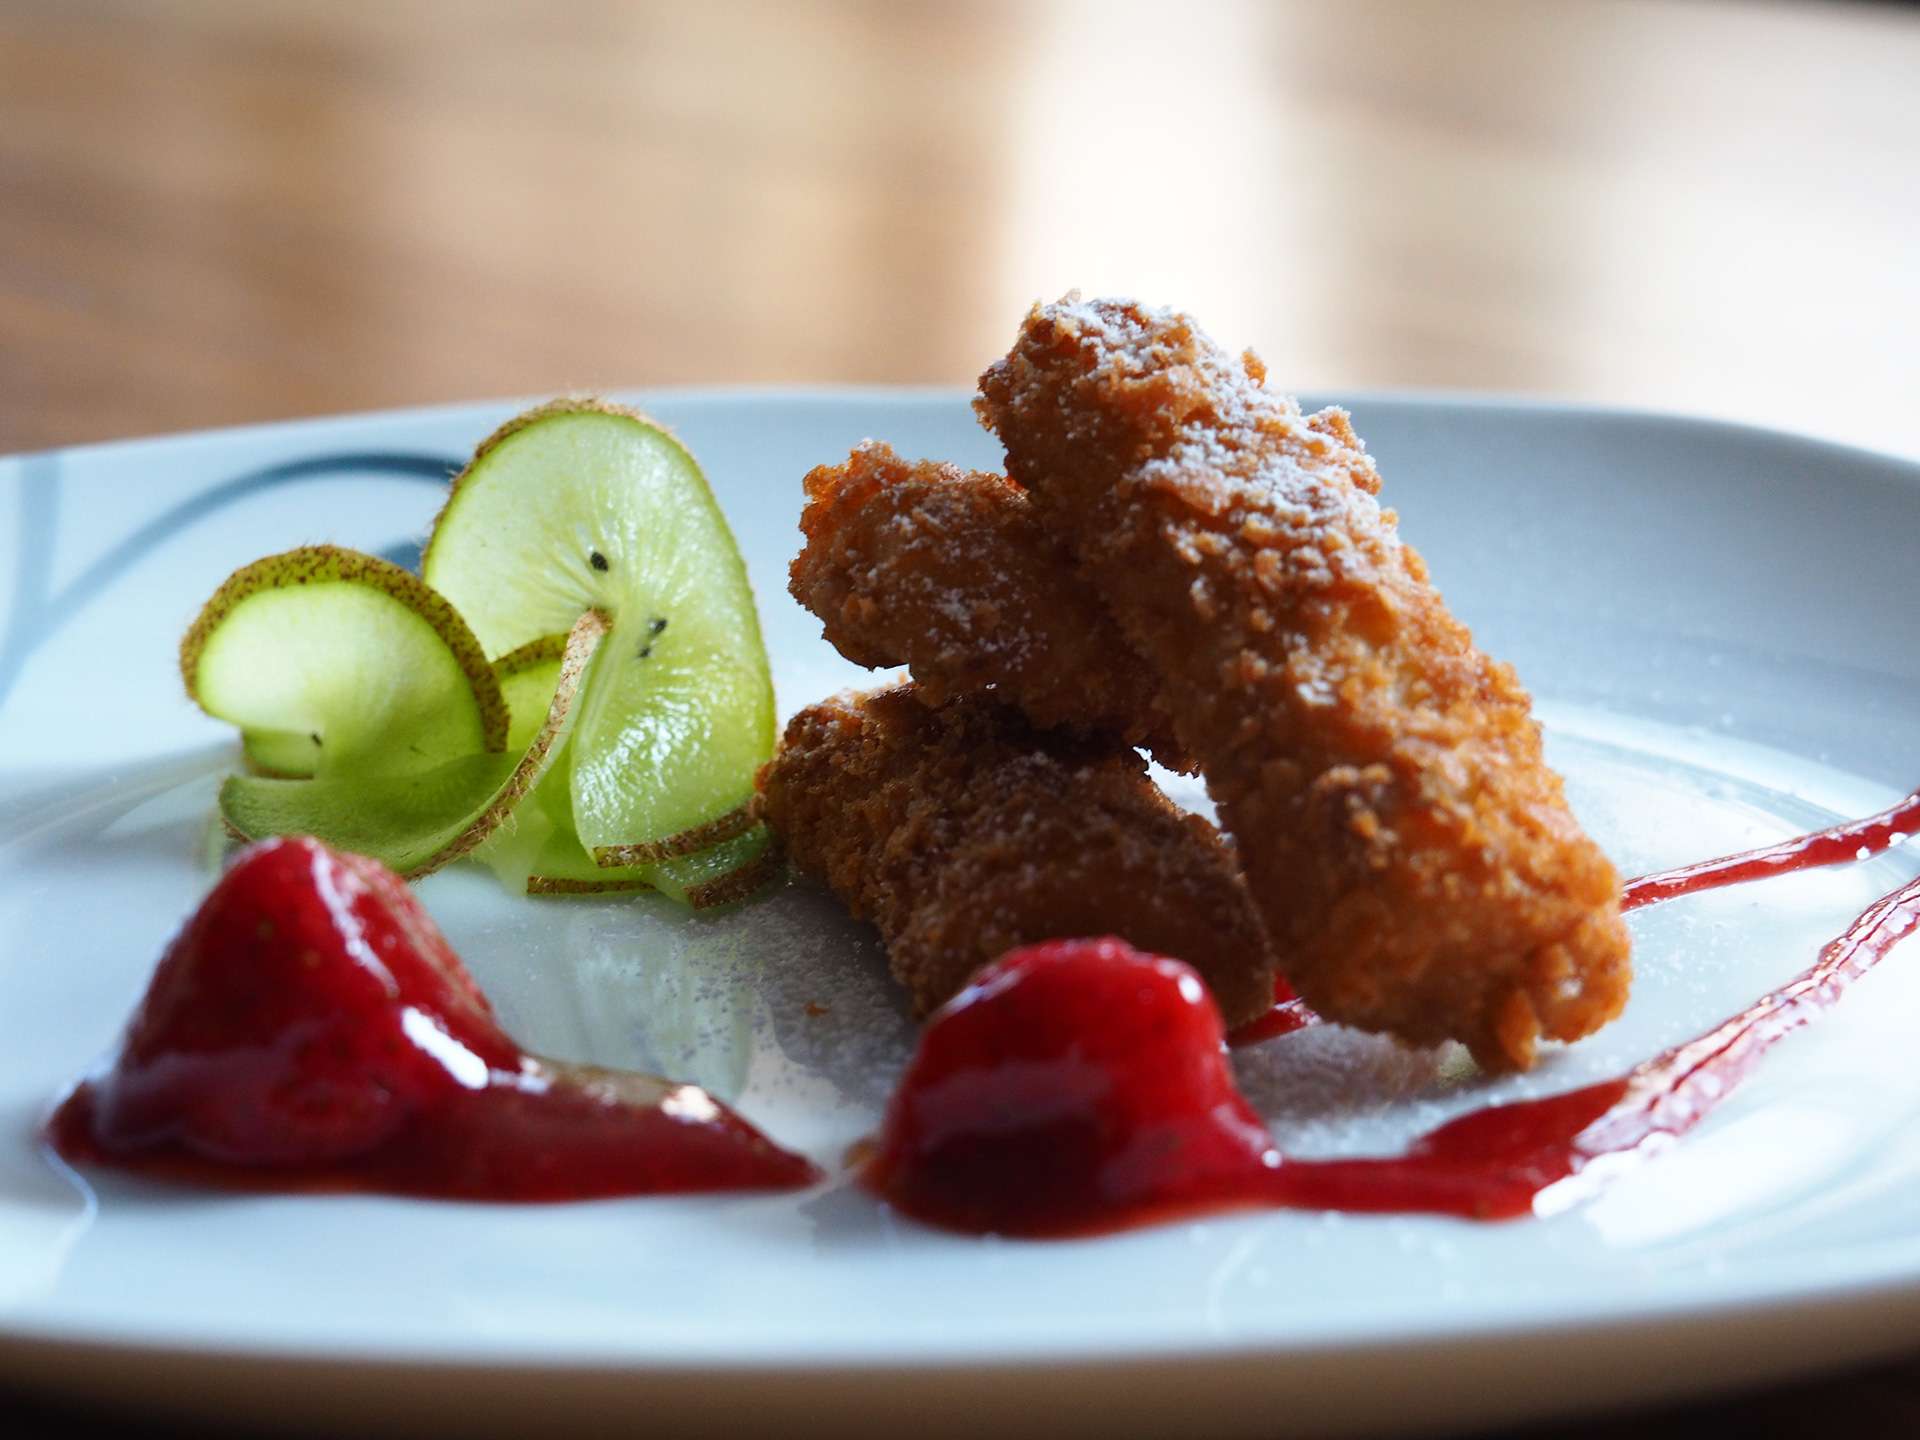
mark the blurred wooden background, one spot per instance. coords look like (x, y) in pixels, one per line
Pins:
(215, 211)
(224, 210)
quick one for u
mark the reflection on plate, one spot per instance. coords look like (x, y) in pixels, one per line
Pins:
(1700, 611)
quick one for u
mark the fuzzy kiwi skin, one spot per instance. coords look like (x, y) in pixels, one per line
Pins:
(321, 564)
(496, 809)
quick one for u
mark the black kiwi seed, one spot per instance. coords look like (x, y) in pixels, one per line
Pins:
(654, 627)
(597, 560)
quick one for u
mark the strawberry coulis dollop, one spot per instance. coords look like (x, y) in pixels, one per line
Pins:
(311, 1028)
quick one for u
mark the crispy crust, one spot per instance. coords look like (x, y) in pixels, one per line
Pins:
(962, 832)
(1413, 856)
(947, 572)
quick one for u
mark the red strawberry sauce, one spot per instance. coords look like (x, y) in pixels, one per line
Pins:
(1079, 1086)
(311, 1029)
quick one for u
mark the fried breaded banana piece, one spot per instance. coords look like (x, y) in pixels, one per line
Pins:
(947, 572)
(1415, 860)
(962, 832)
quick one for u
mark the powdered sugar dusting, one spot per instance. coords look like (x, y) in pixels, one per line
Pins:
(1246, 445)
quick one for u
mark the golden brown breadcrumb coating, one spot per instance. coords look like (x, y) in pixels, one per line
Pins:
(947, 572)
(963, 832)
(1414, 858)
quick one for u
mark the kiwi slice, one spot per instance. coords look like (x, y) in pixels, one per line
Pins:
(543, 853)
(729, 871)
(332, 662)
(416, 821)
(585, 505)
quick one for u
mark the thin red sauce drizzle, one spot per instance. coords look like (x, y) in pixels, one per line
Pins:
(1856, 840)
(1497, 1163)
(1494, 1163)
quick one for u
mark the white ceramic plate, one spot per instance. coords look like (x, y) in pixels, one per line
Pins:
(1718, 625)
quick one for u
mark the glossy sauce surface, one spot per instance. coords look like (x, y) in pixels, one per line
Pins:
(311, 1029)
(547, 1132)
